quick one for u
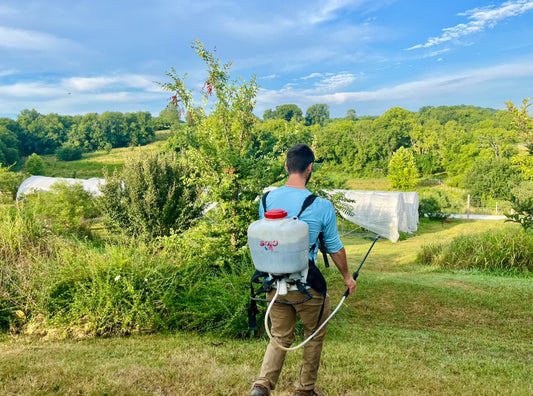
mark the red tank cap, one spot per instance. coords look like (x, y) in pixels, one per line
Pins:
(276, 214)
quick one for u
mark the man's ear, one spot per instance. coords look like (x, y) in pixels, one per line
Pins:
(287, 169)
(310, 167)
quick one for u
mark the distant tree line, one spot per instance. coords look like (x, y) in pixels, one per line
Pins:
(69, 136)
(486, 151)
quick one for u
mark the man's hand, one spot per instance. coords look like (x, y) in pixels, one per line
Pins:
(339, 258)
(351, 284)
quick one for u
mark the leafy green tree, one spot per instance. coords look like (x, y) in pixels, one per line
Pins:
(523, 122)
(86, 133)
(269, 115)
(168, 117)
(274, 137)
(524, 165)
(221, 145)
(69, 152)
(490, 178)
(403, 173)
(152, 196)
(10, 181)
(317, 114)
(9, 153)
(288, 112)
(390, 132)
(426, 144)
(351, 115)
(114, 128)
(459, 149)
(34, 165)
(495, 139)
(523, 212)
(28, 123)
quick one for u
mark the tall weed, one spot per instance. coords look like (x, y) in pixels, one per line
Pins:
(76, 287)
(506, 250)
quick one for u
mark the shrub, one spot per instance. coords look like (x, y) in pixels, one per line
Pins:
(69, 152)
(502, 250)
(430, 207)
(65, 208)
(213, 291)
(34, 165)
(151, 196)
(10, 182)
(523, 212)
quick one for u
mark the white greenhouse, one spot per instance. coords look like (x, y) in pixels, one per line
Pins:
(43, 183)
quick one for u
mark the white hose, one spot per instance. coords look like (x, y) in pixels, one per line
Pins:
(310, 337)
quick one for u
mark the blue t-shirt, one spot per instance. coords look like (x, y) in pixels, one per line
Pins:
(320, 215)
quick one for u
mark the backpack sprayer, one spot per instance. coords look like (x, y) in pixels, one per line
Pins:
(279, 246)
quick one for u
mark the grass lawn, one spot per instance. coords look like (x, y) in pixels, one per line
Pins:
(407, 330)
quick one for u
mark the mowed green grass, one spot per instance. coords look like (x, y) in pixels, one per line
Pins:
(407, 330)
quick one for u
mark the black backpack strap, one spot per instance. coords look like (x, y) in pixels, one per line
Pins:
(321, 244)
(307, 202)
(264, 201)
(322, 248)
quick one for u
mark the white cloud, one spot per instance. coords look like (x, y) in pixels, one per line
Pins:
(335, 82)
(327, 10)
(458, 83)
(75, 95)
(33, 90)
(482, 18)
(269, 77)
(436, 53)
(102, 82)
(312, 75)
(29, 40)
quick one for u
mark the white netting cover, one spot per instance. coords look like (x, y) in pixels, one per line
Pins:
(383, 212)
(43, 183)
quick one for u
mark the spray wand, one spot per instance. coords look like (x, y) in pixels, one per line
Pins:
(356, 273)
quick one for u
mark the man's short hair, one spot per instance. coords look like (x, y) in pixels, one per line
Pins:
(299, 157)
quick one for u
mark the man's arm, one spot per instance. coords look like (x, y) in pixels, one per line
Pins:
(339, 258)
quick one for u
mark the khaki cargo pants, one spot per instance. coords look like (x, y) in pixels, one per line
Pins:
(283, 318)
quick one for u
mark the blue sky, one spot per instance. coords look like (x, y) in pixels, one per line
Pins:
(78, 56)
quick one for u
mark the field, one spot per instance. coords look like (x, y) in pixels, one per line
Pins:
(92, 164)
(407, 330)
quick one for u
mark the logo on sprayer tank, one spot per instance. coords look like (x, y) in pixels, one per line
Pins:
(269, 245)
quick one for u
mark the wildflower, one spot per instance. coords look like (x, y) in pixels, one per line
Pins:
(117, 278)
(20, 314)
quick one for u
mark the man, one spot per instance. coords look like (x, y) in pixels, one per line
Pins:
(320, 216)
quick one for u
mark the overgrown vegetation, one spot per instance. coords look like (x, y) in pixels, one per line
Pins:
(65, 209)
(506, 250)
(152, 196)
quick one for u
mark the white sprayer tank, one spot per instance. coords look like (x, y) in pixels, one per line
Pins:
(279, 244)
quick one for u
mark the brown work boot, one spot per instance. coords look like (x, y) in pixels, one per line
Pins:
(260, 390)
(311, 392)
